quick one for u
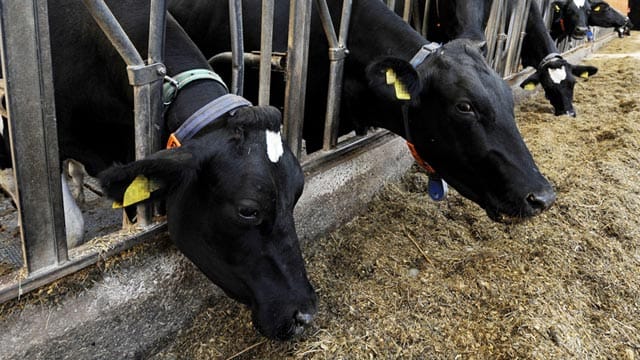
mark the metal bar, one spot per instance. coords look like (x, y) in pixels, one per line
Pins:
(80, 258)
(492, 32)
(337, 54)
(266, 49)
(523, 32)
(391, 4)
(406, 11)
(26, 65)
(515, 34)
(157, 30)
(237, 47)
(298, 53)
(327, 23)
(425, 18)
(112, 29)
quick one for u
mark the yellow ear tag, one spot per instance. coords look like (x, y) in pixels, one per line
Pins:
(585, 75)
(596, 9)
(401, 90)
(529, 86)
(140, 189)
(391, 76)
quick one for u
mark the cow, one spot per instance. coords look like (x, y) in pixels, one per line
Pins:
(445, 100)
(556, 75)
(228, 181)
(569, 19)
(603, 15)
(467, 19)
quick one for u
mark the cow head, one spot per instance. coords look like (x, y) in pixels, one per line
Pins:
(230, 194)
(602, 14)
(570, 18)
(558, 78)
(460, 119)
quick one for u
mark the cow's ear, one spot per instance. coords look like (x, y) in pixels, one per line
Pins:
(149, 179)
(394, 79)
(583, 71)
(531, 82)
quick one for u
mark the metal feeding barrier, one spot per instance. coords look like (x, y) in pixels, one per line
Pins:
(27, 71)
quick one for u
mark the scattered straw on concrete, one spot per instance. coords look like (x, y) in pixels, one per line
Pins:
(414, 279)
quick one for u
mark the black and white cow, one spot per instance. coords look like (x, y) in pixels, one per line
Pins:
(603, 15)
(569, 19)
(467, 19)
(231, 185)
(457, 112)
(555, 74)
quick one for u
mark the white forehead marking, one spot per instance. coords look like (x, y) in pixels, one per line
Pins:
(579, 3)
(274, 145)
(557, 75)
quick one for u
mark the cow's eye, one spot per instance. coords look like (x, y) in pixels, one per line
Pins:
(464, 107)
(249, 212)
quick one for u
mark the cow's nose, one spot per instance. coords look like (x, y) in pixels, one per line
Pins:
(303, 319)
(570, 112)
(580, 31)
(541, 200)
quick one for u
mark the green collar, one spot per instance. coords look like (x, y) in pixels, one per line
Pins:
(172, 85)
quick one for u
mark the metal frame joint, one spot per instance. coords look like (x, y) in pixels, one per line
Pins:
(146, 74)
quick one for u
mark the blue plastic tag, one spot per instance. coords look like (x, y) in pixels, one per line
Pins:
(437, 189)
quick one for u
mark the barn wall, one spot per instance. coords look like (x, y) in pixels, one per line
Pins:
(620, 5)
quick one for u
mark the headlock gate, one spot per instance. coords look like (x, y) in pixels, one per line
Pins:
(30, 109)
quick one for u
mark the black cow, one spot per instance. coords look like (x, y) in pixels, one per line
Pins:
(467, 19)
(457, 112)
(569, 19)
(603, 15)
(231, 186)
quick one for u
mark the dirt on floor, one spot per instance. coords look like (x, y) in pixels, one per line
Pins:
(414, 279)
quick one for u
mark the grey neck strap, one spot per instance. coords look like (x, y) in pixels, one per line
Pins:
(549, 58)
(423, 53)
(205, 116)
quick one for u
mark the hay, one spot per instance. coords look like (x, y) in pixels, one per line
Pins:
(415, 279)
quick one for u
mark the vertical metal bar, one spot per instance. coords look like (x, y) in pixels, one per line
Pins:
(515, 34)
(337, 54)
(157, 30)
(297, 58)
(391, 4)
(406, 11)
(26, 65)
(425, 18)
(266, 47)
(237, 47)
(141, 93)
(522, 31)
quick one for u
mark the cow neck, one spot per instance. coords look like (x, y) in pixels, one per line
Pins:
(197, 105)
(376, 32)
(538, 42)
(417, 59)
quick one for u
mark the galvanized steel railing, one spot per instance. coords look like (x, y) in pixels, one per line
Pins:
(27, 70)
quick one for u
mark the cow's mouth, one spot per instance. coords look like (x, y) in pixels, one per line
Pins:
(290, 329)
(504, 218)
(534, 204)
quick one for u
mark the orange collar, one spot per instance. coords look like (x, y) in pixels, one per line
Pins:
(420, 160)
